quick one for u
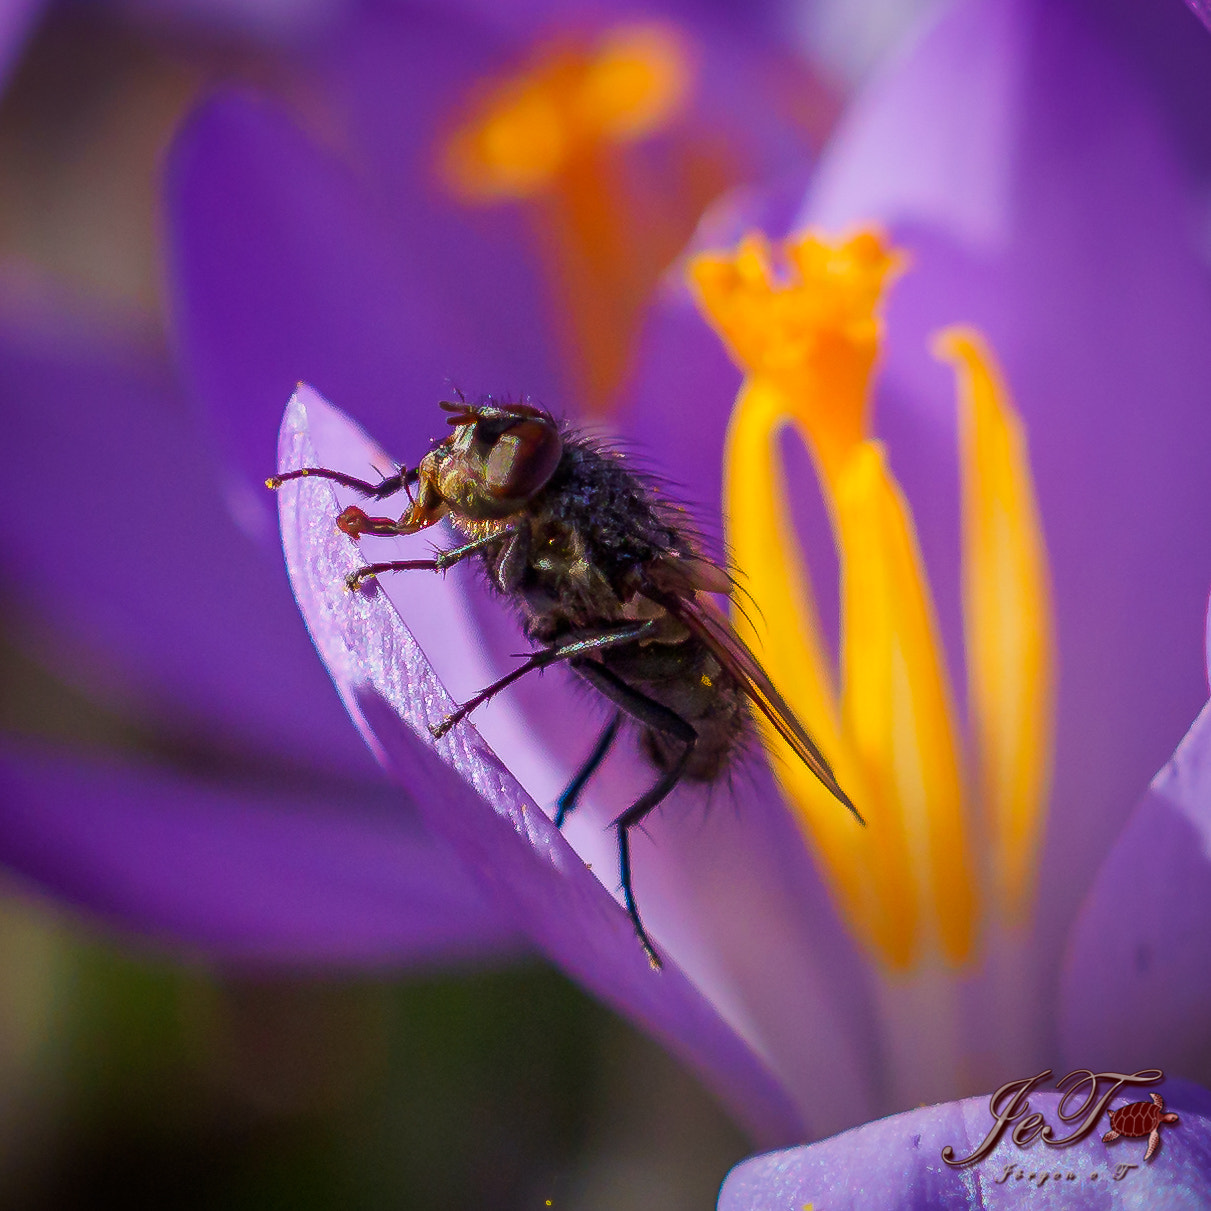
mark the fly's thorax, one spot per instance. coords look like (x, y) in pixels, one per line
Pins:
(563, 587)
(606, 513)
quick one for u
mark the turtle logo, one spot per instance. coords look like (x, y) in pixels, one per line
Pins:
(1140, 1119)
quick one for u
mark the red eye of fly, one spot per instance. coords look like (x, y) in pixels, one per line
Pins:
(522, 459)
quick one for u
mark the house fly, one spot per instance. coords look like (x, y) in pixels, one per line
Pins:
(607, 578)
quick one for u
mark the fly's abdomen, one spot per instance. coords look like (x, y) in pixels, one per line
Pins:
(686, 678)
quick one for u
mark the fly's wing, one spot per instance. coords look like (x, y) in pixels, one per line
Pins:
(704, 619)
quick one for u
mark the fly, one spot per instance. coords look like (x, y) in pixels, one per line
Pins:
(607, 579)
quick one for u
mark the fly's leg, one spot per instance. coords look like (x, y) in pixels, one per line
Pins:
(387, 486)
(633, 816)
(660, 719)
(568, 650)
(354, 521)
(566, 802)
(439, 563)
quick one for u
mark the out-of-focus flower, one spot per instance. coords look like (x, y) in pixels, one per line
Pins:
(237, 817)
(1046, 214)
(1203, 9)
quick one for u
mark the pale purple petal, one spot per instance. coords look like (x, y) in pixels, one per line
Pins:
(1137, 981)
(727, 884)
(295, 873)
(896, 1164)
(724, 879)
(468, 797)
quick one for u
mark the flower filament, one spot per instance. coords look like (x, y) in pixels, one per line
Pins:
(554, 137)
(807, 340)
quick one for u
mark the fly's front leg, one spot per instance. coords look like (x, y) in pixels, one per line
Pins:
(660, 719)
(389, 485)
(354, 521)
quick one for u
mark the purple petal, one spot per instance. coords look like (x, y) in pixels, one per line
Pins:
(280, 24)
(729, 888)
(1026, 173)
(466, 795)
(284, 874)
(897, 1163)
(123, 544)
(1172, 55)
(285, 269)
(1142, 943)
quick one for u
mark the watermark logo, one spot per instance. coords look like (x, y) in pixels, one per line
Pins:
(1086, 1097)
(1140, 1119)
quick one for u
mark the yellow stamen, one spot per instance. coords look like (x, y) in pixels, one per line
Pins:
(763, 545)
(552, 135)
(1007, 614)
(897, 708)
(807, 343)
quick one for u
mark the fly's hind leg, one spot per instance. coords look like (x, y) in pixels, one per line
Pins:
(660, 719)
(566, 802)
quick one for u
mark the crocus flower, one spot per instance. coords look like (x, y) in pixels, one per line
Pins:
(1026, 178)
(1024, 196)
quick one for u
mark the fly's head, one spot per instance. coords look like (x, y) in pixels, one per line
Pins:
(497, 459)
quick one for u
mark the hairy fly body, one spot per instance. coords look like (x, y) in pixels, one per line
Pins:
(606, 578)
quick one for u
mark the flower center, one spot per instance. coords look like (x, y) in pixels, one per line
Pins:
(918, 881)
(554, 138)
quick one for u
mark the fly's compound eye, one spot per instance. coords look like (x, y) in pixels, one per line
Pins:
(522, 459)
